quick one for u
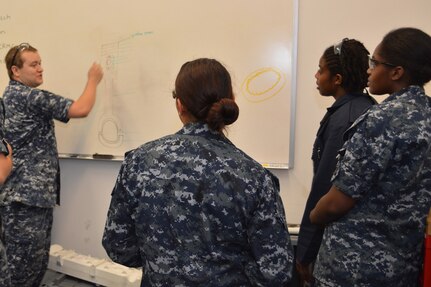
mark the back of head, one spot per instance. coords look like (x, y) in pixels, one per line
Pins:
(13, 57)
(204, 87)
(349, 58)
(411, 49)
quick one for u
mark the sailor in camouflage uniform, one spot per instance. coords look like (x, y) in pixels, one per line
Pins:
(30, 193)
(191, 208)
(5, 169)
(383, 179)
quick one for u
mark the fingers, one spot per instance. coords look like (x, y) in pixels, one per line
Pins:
(95, 73)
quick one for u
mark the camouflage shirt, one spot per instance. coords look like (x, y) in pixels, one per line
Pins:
(194, 210)
(29, 125)
(4, 271)
(386, 167)
(3, 145)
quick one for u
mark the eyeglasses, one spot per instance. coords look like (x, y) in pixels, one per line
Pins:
(372, 63)
(19, 48)
(174, 95)
(339, 45)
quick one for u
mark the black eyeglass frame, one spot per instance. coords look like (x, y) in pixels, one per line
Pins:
(373, 63)
(21, 47)
(174, 95)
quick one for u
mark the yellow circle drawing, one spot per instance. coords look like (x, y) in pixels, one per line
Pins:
(263, 84)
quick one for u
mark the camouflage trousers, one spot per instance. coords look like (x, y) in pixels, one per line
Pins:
(27, 239)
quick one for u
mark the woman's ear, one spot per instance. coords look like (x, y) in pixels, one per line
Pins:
(397, 73)
(180, 107)
(183, 112)
(338, 79)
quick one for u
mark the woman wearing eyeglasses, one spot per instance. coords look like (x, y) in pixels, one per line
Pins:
(191, 208)
(342, 74)
(378, 204)
(28, 197)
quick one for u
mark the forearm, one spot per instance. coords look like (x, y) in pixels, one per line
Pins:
(331, 206)
(84, 104)
(323, 214)
(5, 167)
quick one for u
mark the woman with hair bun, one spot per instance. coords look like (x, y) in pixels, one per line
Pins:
(191, 208)
(381, 189)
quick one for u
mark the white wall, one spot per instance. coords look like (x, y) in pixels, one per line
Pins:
(86, 185)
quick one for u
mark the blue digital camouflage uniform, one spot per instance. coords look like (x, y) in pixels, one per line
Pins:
(386, 167)
(194, 210)
(4, 270)
(32, 187)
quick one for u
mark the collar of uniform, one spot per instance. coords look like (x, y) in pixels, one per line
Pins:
(338, 103)
(200, 129)
(195, 128)
(407, 93)
(343, 100)
(16, 83)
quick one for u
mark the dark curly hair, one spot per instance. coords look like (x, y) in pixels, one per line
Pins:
(351, 62)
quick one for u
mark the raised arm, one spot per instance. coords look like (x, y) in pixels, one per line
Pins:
(83, 105)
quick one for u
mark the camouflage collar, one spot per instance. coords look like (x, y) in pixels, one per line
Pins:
(200, 129)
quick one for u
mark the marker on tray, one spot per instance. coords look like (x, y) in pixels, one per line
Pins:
(102, 156)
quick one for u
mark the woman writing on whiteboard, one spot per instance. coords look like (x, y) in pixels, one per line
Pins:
(342, 74)
(191, 208)
(377, 206)
(29, 195)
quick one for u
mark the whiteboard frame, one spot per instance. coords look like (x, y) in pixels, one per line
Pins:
(294, 85)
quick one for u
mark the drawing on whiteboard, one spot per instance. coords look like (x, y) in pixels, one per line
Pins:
(263, 84)
(115, 55)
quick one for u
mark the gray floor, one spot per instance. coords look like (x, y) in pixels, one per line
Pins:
(55, 279)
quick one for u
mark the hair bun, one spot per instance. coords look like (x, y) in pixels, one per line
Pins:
(223, 112)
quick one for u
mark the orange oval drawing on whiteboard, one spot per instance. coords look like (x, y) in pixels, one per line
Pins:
(263, 84)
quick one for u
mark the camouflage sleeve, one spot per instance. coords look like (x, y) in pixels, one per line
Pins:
(3, 144)
(269, 240)
(119, 238)
(364, 157)
(50, 105)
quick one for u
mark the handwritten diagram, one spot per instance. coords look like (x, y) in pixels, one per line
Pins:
(115, 56)
(5, 44)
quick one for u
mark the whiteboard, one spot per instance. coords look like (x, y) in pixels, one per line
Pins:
(141, 46)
